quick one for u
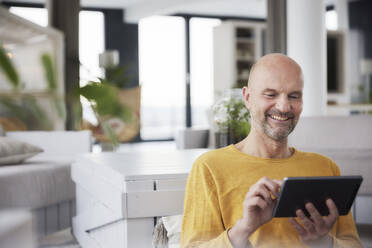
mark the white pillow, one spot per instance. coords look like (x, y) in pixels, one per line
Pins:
(15, 152)
(173, 225)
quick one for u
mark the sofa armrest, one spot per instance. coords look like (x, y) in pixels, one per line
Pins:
(189, 138)
(333, 132)
(56, 142)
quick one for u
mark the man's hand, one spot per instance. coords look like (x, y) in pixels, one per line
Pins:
(257, 210)
(314, 230)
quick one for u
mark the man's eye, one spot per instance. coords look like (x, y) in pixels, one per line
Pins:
(294, 96)
(270, 95)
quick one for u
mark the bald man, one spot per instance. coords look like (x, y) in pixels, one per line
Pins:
(228, 199)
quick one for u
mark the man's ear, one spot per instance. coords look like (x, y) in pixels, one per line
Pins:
(246, 96)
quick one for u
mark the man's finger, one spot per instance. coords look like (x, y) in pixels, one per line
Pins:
(300, 230)
(279, 182)
(333, 212)
(306, 222)
(271, 185)
(315, 215)
(258, 202)
(262, 192)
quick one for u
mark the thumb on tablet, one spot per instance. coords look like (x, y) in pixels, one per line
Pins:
(278, 181)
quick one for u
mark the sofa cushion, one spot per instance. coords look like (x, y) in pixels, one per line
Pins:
(14, 152)
(334, 132)
(38, 182)
(173, 225)
(351, 162)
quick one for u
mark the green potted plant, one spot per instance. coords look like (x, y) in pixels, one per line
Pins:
(104, 98)
(115, 106)
(24, 106)
(231, 118)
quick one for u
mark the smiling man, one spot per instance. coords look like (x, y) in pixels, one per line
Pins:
(230, 191)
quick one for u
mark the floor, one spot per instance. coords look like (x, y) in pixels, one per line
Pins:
(365, 233)
(61, 239)
(64, 239)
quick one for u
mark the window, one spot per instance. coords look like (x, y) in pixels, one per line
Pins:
(335, 61)
(162, 69)
(335, 57)
(91, 44)
(162, 76)
(331, 19)
(201, 46)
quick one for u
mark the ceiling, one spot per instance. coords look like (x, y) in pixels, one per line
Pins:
(137, 9)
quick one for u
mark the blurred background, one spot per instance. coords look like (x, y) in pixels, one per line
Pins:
(172, 60)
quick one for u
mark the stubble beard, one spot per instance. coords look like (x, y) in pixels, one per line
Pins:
(277, 134)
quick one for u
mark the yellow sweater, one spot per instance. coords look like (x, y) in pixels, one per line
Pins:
(218, 183)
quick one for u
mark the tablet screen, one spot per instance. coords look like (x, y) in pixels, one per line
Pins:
(297, 191)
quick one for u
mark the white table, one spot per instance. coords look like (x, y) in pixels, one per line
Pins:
(119, 195)
(16, 229)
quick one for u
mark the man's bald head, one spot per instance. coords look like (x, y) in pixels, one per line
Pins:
(274, 96)
(276, 65)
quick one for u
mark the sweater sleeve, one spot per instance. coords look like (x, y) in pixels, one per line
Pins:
(202, 224)
(344, 232)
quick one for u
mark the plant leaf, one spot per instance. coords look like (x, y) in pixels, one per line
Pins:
(49, 71)
(109, 132)
(117, 76)
(8, 68)
(28, 111)
(105, 100)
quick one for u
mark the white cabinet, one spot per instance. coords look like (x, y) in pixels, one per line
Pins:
(237, 45)
(119, 195)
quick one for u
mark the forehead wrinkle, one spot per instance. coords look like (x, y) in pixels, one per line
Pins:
(276, 66)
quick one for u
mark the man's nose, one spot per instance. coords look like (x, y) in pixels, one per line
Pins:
(283, 105)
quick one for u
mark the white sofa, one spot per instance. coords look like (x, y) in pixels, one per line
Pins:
(345, 139)
(43, 183)
(16, 229)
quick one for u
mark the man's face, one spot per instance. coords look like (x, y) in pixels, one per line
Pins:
(275, 102)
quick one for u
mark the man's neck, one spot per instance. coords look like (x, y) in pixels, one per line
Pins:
(260, 145)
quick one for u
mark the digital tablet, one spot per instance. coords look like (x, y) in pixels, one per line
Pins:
(297, 191)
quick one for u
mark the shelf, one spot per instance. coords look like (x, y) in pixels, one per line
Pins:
(246, 58)
(237, 46)
(245, 40)
(244, 63)
(245, 32)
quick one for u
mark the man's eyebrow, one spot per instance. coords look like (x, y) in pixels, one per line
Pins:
(296, 92)
(268, 89)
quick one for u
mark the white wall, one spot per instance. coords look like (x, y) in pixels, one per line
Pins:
(306, 44)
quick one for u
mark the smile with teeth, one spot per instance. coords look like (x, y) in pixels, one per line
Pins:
(279, 118)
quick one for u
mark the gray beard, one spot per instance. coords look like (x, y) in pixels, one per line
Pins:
(270, 132)
(277, 136)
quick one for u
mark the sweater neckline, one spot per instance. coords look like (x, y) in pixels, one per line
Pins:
(294, 155)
